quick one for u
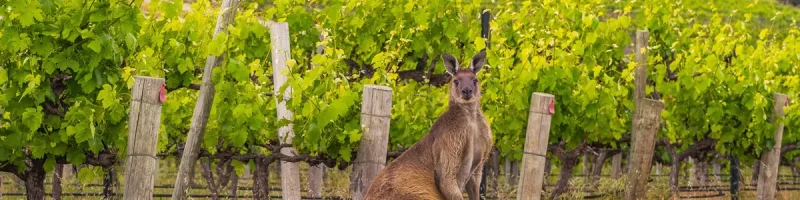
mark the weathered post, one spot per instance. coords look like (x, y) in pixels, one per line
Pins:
(202, 107)
(281, 53)
(693, 179)
(247, 172)
(533, 159)
(68, 172)
(507, 170)
(701, 171)
(316, 173)
(514, 173)
(658, 169)
(616, 166)
(494, 172)
(645, 126)
(144, 121)
(717, 170)
(770, 159)
(646, 120)
(376, 110)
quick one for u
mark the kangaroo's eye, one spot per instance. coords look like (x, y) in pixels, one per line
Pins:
(475, 81)
(456, 82)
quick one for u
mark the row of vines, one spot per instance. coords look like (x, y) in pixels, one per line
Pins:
(66, 70)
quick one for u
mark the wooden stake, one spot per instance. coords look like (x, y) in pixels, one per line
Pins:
(646, 120)
(281, 53)
(143, 124)
(717, 170)
(507, 171)
(645, 126)
(770, 159)
(693, 180)
(533, 160)
(316, 173)
(616, 166)
(202, 107)
(494, 172)
(515, 173)
(68, 173)
(376, 110)
(640, 77)
(658, 169)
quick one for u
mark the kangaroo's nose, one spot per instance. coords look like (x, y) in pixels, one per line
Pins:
(466, 91)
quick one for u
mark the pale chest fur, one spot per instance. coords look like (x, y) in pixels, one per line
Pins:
(482, 141)
(478, 145)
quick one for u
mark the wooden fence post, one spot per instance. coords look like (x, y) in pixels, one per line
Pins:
(143, 123)
(507, 170)
(316, 173)
(202, 107)
(646, 121)
(717, 170)
(645, 126)
(281, 53)
(693, 180)
(494, 170)
(616, 166)
(315, 179)
(533, 159)
(658, 169)
(770, 159)
(701, 171)
(68, 173)
(376, 110)
(640, 77)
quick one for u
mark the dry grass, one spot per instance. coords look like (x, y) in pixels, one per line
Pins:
(338, 181)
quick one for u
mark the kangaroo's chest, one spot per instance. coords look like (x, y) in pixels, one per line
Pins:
(482, 142)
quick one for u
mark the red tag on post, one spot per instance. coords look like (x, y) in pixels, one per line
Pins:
(552, 107)
(787, 102)
(162, 95)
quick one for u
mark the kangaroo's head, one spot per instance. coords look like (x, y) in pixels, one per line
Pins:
(464, 87)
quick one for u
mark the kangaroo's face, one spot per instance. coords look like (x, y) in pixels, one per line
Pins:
(464, 87)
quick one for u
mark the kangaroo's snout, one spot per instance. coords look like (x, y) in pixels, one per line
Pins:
(466, 93)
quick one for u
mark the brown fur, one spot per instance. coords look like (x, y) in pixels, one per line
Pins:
(449, 159)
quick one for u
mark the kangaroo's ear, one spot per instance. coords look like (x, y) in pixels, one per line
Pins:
(450, 64)
(477, 61)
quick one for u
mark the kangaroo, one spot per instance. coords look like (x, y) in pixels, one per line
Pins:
(449, 159)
